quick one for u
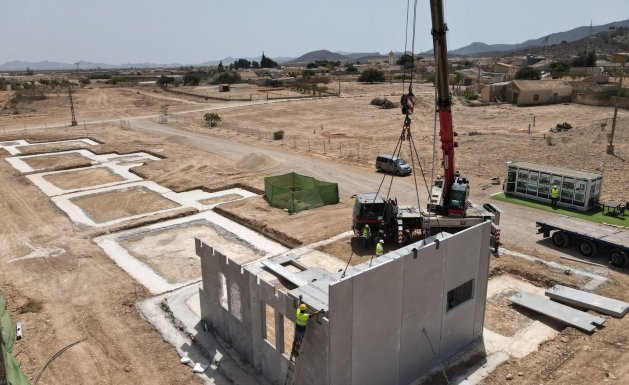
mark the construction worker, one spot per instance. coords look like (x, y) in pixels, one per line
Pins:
(301, 321)
(366, 236)
(554, 195)
(380, 248)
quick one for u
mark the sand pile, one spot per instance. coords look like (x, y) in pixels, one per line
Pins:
(255, 162)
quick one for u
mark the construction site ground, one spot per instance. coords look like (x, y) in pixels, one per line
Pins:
(64, 288)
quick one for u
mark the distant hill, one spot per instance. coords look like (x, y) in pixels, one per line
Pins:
(604, 43)
(554, 38)
(323, 54)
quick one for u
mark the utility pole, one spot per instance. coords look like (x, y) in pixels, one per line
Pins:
(72, 106)
(622, 58)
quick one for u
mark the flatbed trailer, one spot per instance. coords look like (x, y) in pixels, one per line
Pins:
(591, 238)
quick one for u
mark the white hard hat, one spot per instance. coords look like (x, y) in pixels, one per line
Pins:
(382, 241)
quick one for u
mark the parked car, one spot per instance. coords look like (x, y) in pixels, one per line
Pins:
(392, 164)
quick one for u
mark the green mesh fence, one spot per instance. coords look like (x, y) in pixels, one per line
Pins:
(10, 372)
(296, 192)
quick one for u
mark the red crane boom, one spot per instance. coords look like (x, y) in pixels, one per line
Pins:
(454, 190)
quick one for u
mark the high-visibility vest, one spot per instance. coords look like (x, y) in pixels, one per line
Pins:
(554, 192)
(301, 317)
(366, 232)
(379, 249)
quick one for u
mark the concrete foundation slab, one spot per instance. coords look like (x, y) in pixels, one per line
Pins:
(21, 162)
(45, 180)
(587, 300)
(566, 314)
(15, 147)
(233, 239)
(67, 203)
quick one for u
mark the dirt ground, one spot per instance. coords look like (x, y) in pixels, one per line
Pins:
(83, 178)
(81, 293)
(57, 162)
(122, 203)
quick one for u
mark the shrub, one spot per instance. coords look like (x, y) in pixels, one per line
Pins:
(383, 103)
(278, 135)
(371, 75)
(470, 95)
(211, 119)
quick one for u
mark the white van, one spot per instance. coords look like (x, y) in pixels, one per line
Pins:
(392, 164)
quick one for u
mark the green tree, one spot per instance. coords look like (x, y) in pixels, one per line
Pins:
(227, 78)
(350, 69)
(265, 62)
(220, 67)
(528, 73)
(164, 81)
(406, 61)
(585, 59)
(192, 79)
(242, 64)
(371, 75)
(211, 119)
(559, 69)
(457, 79)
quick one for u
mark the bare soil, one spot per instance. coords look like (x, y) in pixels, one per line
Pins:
(57, 162)
(83, 178)
(122, 203)
(176, 260)
(83, 294)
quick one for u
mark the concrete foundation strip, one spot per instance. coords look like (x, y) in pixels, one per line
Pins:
(557, 311)
(587, 300)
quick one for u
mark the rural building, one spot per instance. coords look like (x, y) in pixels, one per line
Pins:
(507, 69)
(384, 322)
(528, 92)
(578, 190)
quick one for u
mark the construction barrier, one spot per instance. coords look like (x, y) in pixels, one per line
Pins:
(296, 192)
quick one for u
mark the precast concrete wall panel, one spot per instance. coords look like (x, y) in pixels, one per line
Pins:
(314, 354)
(422, 308)
(209, 268)
(462, 265)
(376, 327)
(239, 329)
(341, 313)
(483, 277)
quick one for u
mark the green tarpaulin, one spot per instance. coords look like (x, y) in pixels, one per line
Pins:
(10, 372)
(296, 192)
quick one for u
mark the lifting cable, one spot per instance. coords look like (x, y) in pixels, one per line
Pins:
(406, 132)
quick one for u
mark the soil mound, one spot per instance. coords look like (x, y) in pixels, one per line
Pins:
(255, 162)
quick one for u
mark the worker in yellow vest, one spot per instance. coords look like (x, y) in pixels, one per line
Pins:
(554, 195)
(301, 322)
(366, 236)
(380, 248)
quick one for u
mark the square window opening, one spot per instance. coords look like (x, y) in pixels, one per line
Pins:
(460, 294)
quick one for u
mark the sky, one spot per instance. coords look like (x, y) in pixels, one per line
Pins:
(194, 31)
